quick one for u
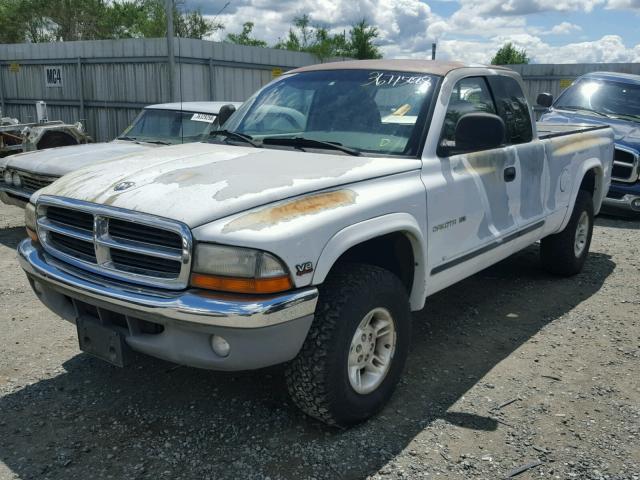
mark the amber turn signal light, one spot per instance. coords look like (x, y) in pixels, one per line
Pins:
(241, 285)
(32, 235)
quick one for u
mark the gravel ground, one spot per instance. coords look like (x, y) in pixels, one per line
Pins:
(508, 368)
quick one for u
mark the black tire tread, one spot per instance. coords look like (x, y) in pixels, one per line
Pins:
(306, 374)
(556, 251)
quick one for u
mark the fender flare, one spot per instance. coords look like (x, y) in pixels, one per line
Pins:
(599, 193)
(372, 228)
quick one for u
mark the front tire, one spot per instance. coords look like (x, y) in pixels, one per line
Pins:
(565, 253)
(355, 351)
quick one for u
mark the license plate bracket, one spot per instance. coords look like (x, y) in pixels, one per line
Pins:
(103, 342)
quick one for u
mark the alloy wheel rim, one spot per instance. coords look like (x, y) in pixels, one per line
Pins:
(371, 352)
(582, 232)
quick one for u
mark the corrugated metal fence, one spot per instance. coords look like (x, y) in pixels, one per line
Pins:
(554, 78)
(106, 83)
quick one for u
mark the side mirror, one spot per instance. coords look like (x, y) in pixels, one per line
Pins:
(545, 100)
(479, 131)
(225, 112)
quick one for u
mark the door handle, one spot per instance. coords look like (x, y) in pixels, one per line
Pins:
(509, 174)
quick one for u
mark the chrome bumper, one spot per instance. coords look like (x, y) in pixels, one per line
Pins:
(13, 196)
(628, 202)
(194, 307)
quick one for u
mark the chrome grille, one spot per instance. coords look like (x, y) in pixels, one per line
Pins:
(32, 182)
(117, 243)
(625, 165)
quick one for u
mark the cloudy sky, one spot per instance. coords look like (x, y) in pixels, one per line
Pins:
(551, 31)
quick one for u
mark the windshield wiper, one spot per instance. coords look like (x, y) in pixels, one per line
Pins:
(236, 136)
(582, 109)
(129, 139)
(301, 142)
(159, 142)
(630, 116)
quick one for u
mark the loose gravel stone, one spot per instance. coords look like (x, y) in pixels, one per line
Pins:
(567, 350)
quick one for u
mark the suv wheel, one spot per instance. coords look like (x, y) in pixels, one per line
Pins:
(355, 351)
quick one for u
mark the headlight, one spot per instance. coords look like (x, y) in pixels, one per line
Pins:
(17, 181)
(237, 269)
(8, 178)
(30, 221)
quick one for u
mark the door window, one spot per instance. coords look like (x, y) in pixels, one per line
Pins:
(469, 95)
(513, 108)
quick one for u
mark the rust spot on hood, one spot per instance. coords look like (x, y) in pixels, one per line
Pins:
(290, 210)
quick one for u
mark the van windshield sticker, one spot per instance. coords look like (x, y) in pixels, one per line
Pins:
(203, 117)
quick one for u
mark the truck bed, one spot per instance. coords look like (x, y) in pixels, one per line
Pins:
(552, 130)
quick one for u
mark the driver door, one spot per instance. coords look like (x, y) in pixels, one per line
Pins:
(469, 199)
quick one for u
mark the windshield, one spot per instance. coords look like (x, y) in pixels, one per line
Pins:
(603, 96)
(169, 126)
(378, 112)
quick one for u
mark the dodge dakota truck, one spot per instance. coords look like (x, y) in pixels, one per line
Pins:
(607, 98)
(332, 204)
(156, 125)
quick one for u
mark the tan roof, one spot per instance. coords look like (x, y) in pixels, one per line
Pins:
(434, 67)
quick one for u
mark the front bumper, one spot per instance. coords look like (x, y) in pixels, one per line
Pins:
(623, 197)
(14, 196)
(261, 330)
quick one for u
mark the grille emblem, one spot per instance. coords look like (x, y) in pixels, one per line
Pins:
(123, 186)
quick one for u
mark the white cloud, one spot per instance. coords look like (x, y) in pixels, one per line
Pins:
(404, 25)
(608, 49)
(473, 33)
(564, 28)
(623, 4)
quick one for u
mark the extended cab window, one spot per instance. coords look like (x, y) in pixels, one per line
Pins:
(513, 108)
(468, 96)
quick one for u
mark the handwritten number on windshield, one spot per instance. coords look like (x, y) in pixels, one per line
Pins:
(383, 79)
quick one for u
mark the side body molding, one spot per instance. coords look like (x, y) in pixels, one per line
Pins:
(372, 228)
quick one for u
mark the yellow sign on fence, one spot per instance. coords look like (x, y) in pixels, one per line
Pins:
(565, 82)
(276, 72)
(14, 67)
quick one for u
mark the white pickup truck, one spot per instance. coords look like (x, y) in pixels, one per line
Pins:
(163, 124)
(337, 199)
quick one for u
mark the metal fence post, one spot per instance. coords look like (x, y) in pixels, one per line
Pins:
(2, 106)
(212, 94)
(80, 87)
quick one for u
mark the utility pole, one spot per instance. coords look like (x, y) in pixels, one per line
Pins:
(170, 54)
(433, 51)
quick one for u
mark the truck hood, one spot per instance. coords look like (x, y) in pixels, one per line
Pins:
(199, 182)
(627, 133)
(62, 160)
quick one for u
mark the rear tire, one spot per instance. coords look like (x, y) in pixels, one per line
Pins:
(565, 253)
(349, 366)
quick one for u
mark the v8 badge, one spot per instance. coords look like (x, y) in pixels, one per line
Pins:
(304, 268)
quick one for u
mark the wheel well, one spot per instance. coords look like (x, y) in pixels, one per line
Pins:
(392, 252)
(589, 181)
(56, 139)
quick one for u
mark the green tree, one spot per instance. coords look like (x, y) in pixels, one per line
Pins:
(359, 43)
(508, 54)
(66, 20)
(244, 37)
(361, 38)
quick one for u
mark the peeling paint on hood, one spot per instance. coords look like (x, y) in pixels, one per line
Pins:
(291, 209)
(199, 182)
(62, 160)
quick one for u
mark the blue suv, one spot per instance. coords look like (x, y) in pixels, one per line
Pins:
(611, 99)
